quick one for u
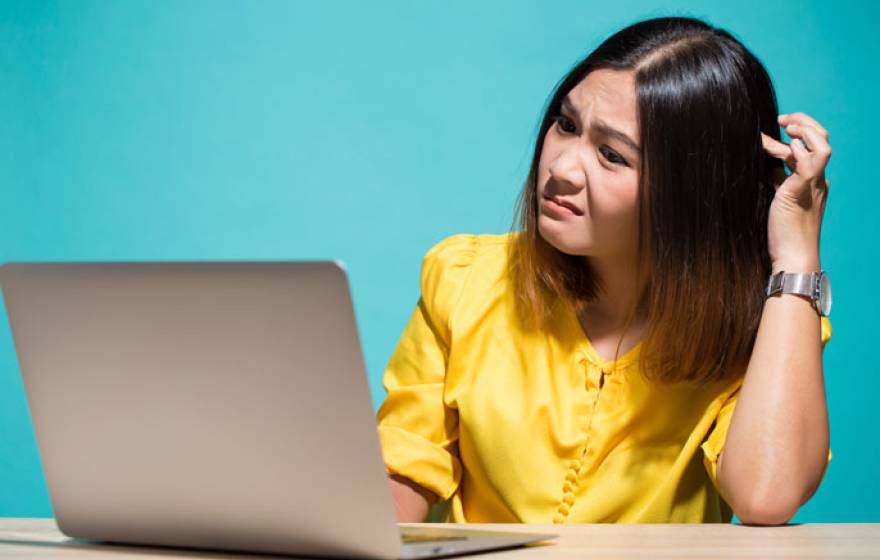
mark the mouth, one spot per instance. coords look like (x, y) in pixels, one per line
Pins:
(565, 204)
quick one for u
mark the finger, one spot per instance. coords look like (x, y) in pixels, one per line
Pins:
(778, 150)
(815, 142)
(802, 118)
(774, 147)
(800, 152)
(798, 183)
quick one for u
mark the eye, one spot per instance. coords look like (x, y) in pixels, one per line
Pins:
(612, 156)
(560, 123)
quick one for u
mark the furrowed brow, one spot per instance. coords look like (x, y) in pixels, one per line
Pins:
(605, 128)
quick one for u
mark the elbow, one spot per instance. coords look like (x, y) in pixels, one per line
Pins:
(767, 501)
(766, 510)
(771, 504)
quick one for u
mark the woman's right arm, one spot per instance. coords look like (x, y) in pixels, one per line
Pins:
(417, 428)
(411, 501)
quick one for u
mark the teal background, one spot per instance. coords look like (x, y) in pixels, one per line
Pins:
(367, 131)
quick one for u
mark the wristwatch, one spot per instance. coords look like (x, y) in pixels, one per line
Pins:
(814, 285)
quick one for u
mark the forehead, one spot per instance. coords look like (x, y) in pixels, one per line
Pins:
(610, 96)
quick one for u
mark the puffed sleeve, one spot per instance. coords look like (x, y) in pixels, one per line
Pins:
(714, 444)
(418, 431)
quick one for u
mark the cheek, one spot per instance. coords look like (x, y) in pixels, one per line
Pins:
(617, 199)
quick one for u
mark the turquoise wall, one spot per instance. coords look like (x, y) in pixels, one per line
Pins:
(367, 131)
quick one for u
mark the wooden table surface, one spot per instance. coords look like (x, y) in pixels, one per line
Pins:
(35, 539)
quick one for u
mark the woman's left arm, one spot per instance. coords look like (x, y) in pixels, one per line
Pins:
(777, 445)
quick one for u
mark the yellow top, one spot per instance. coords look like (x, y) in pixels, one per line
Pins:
(516, 426)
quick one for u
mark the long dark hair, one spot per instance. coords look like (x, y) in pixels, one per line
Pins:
(705, 187)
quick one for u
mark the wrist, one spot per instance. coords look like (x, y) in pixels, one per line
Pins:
(797, 264)
(813, 285)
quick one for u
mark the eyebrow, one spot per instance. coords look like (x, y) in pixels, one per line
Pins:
(604, 127)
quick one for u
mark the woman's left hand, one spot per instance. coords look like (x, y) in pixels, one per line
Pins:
(796, 211)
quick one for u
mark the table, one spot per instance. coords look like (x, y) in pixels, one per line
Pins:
(35, 539)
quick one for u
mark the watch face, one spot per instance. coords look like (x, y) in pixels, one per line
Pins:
(824, 295)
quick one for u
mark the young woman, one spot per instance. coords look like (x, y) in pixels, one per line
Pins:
(617, 358)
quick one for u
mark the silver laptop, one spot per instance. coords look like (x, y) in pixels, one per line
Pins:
(219, 405)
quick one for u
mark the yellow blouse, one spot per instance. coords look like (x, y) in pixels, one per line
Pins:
(513, 426)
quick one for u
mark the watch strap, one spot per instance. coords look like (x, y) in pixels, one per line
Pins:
(802, 283)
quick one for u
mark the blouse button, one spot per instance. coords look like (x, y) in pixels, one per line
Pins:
(569, 498)
(558, 518)
(571, 477)
(564, 509)
(567, 486)
(575, 465)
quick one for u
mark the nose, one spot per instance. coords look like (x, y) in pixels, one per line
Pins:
(568, 170)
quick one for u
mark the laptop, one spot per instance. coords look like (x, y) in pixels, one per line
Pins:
(212, 405)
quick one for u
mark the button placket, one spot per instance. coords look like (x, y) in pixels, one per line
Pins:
(572, 475)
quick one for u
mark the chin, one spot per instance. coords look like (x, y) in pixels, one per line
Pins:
(563, 239)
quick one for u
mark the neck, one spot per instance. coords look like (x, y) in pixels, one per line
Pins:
(620, 288)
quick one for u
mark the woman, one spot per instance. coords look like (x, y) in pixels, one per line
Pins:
(618, 358)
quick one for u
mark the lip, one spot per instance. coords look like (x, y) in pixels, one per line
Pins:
(560, 206)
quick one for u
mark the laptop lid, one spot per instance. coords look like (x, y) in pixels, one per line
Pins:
(214, 405)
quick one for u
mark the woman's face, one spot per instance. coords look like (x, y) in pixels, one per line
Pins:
(588, 173)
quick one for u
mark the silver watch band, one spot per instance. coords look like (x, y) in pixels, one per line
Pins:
(802, 283)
